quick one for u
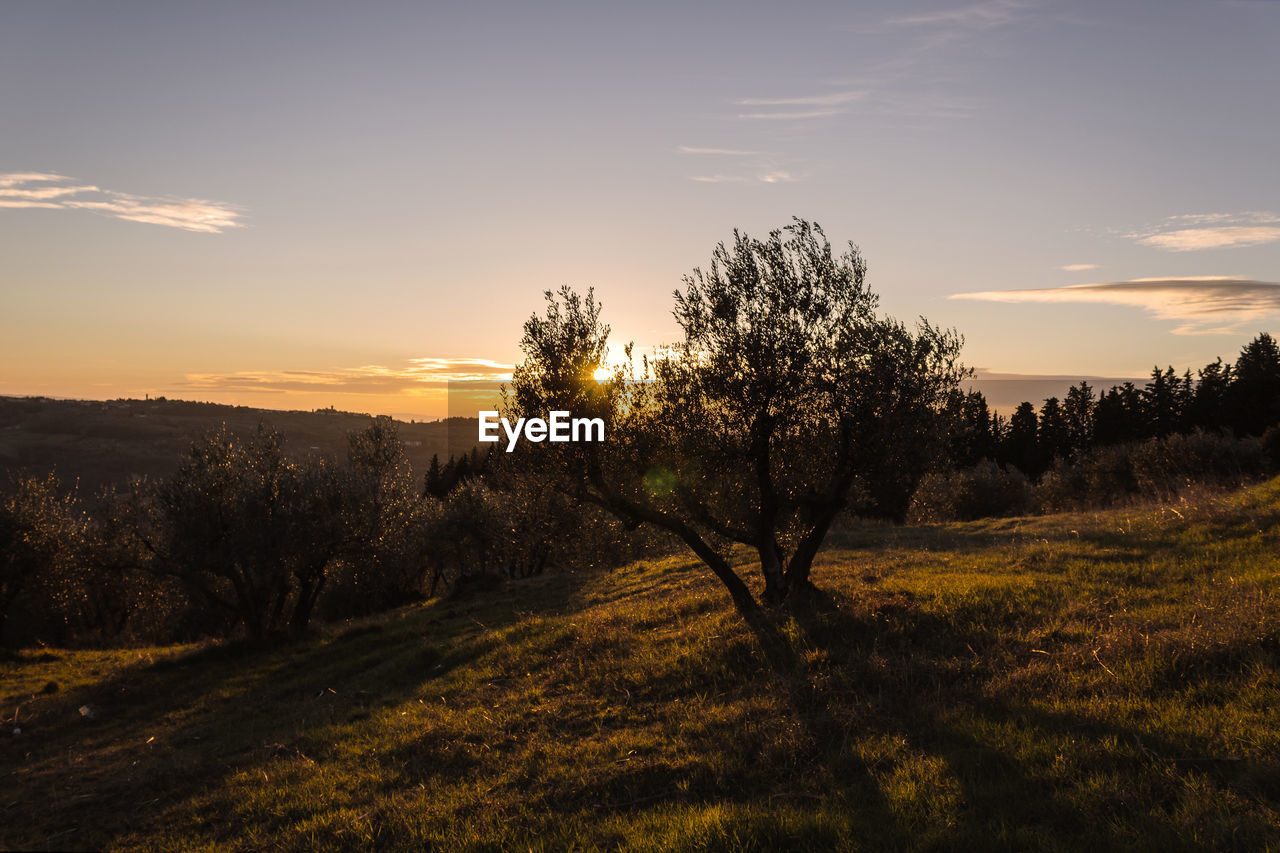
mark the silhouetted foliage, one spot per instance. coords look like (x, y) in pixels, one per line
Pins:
(388, 534)
(980, 491)
(40, 533)
(1208, 400)
(1052, 434)
(434, 483)
(1078, 414)
(248, 532)
(972, 430)
(1252, 400)
(1020, 447)
(1065, 441)
(116, 596)
(1161, 467)
(787, 401)
(1165, 401)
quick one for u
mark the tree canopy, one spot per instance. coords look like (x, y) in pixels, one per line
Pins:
(787, 400)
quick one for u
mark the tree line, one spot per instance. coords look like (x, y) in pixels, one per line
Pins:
(1241, 398)
(789, 405)
(245, 540)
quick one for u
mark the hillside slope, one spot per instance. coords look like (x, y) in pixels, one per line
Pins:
(104, 443)
(1110, 679)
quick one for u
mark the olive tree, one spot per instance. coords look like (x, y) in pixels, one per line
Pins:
(788, 400)
(40, 535)
(246, 530)
(388, 520)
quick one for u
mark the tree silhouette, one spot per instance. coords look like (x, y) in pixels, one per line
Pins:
(1051, 434)
(1253, 398)
(39, 533)
(1163, 403)
(787, 400)
(434, 483)
(1118, 417)
(971, 433)
(247, 531)
(1020, 447)
(1210, 395)
(1078, 410)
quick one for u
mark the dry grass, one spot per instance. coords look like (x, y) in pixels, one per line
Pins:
(1105, 679)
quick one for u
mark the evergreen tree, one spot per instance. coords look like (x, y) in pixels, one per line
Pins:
(1206, 409)
(982, 421)
(1078, 411)
(1119, 416)
(1160, 403)
(1019, 448)
(999, 433)
(969, 423)
(436, 485)
(1051, 434)
(1253, 398)
(457, 470)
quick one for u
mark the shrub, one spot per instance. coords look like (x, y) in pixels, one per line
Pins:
(986, 489)
(1155, 468)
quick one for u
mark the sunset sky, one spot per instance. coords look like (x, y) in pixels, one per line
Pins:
(295, 205)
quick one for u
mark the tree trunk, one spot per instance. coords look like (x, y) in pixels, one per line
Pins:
(621, 506)
(738, 590)
(775, 584)
(277, 609)
(775, 587)
(247, 604)
(308, 595)
(802, 560)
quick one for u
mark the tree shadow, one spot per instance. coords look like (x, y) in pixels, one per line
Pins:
(814, 703)
(924, 678)
(156, 735)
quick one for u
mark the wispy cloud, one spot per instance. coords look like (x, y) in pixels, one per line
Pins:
(415, 376)
(993, 13)
(726, 152)
(52, 191)
(14, 179)
(1194, 232)
(829, 104)
(1078, 267)
(1206, 305)
(792, 115)
(830, 99)
(915, 86)
(746, 166)
(774, 177)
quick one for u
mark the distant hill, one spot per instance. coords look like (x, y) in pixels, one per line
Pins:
(100, 443)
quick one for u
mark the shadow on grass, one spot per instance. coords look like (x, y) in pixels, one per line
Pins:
(924, 683)
(155, 735)
(877, 668)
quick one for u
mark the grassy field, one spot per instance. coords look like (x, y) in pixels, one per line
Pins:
(1108, 680)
